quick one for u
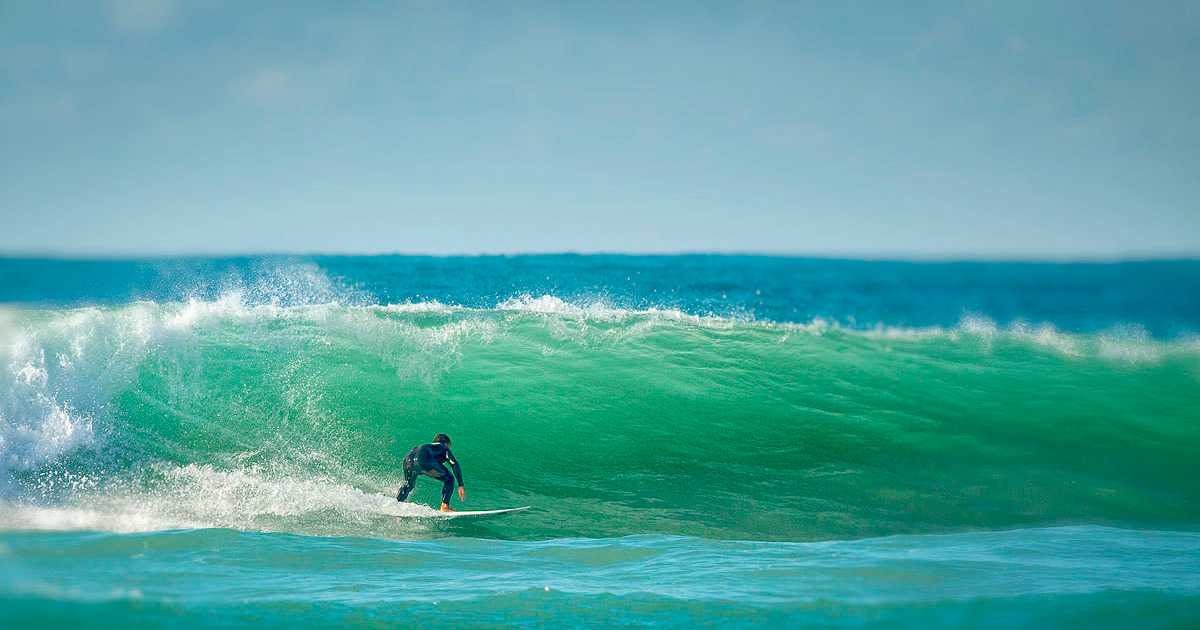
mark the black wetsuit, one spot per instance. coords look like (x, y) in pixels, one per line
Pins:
(429, 459)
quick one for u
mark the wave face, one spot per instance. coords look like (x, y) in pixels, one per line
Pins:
(258, 415)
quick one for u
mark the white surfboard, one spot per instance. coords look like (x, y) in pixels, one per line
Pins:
(483, 514)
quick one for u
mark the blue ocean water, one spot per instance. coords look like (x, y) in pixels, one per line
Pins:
(1076, 576)
(1160, 297)
(739, 441)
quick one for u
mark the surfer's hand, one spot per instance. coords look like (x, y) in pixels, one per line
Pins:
(462, 494)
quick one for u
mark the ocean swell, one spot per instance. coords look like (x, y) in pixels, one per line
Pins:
(268, 416)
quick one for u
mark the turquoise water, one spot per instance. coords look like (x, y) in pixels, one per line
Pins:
(1080, 576)
(998, 446)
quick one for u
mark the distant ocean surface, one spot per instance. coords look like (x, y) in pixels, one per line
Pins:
(733, 441)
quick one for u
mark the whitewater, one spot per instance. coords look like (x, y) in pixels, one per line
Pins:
(737, 440)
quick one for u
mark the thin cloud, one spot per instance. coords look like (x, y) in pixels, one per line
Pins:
(140, 17)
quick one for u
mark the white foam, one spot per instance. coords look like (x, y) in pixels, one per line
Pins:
(202, 496)
(128, 519)
(432, 306)
(550, 304)
(238, 498)
(602, 310)
(57, 377)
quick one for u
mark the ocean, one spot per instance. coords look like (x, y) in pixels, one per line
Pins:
(730, 441)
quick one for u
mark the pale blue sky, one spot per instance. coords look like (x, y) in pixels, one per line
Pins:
(981, 130)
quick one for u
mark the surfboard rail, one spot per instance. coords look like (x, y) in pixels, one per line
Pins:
(466, 514)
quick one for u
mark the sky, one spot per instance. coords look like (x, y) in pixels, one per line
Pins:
(981, 130)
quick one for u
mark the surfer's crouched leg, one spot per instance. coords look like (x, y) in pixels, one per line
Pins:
(447, 479)
(410, 481)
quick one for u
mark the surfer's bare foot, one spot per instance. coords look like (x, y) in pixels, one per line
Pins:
(446, 508)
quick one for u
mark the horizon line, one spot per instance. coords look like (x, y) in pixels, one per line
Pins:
(1128, 257)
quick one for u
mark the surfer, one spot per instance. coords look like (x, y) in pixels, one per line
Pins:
(430, 459)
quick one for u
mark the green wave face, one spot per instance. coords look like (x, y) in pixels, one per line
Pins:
(153, 416)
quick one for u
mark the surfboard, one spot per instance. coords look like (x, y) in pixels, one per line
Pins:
(482, 514)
